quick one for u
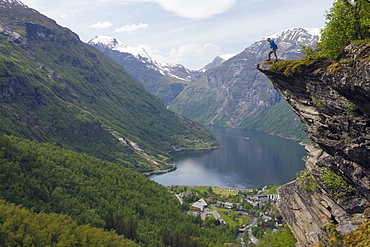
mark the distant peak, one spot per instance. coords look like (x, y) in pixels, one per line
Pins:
(117, 45)
(301, 30)
(107, 41)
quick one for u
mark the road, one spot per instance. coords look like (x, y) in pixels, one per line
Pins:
(248, 228)
(242, 230)
(179, 198)
(216, 215)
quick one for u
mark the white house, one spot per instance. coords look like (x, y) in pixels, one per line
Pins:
(228, 205)
(199, 205)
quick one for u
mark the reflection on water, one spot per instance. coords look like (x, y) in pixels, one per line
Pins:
(246, 159)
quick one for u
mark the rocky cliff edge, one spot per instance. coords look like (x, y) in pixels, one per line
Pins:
(332, 99)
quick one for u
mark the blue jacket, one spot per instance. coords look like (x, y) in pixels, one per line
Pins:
(273, 45)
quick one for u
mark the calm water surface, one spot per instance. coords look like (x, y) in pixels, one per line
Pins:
(246, 159)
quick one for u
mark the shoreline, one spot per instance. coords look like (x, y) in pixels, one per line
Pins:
(193, 149)
(146, 174)
(174, 168)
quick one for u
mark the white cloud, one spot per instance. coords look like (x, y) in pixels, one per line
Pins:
(203, 52)
(193, 56)
(130, 28)
(193, 9)
(101, 25)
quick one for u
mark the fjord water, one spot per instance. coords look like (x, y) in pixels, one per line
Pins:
(246, 159)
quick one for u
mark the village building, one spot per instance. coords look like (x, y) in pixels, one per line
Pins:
(273, 197)
(187, 193)
(199, 205)
(227, 205)
(262, 198)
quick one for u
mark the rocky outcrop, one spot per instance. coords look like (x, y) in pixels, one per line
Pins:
(332, 99)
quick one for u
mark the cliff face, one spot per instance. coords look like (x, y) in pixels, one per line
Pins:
(333, 101)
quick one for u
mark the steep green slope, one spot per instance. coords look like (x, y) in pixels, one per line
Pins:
(57, 89)
(46, 177)
(279, 120)
(226, 95)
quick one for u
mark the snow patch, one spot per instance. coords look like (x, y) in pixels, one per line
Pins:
(227, 56)
(15, 2)
(117, 45)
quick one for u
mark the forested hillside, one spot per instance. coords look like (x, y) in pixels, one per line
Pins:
(22, 227)
(55, 88)
(48, 178)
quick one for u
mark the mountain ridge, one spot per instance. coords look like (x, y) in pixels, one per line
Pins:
(141, 54)
(56, 88)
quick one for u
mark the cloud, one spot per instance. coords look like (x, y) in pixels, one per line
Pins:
(193, 56)
(130, 28)
(101, 25)
(193, 9)
(203, 52)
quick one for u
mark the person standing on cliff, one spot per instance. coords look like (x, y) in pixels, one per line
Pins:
(273, 48)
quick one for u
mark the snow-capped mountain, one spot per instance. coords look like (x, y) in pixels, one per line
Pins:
(235, 94)
(114, 44)
(289, 41)
(165, 81)
(173, 70)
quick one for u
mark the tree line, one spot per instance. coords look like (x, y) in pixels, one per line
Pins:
(347, 20)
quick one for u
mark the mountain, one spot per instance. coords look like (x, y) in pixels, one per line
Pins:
(165, 81)
(217, 62)
(328, 203)
(55, 88)
(235, 94)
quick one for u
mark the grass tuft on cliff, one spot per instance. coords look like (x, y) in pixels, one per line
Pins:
(290, 67)
(314, 57)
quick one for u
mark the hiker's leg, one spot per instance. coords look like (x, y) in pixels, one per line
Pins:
(270, 52)
(275, 55)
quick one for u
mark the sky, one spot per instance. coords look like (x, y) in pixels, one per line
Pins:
(188, 32)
